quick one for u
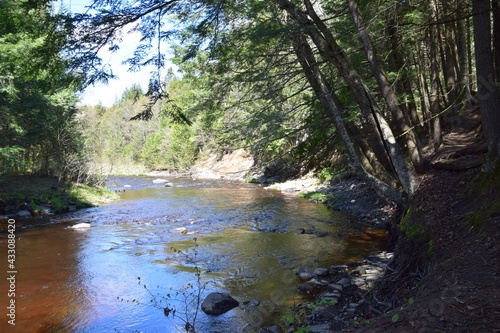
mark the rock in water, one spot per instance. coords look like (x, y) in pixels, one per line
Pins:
(81, 226)
(218, 303)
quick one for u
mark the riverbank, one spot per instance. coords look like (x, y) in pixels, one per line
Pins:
(444, 274)
(28, 196)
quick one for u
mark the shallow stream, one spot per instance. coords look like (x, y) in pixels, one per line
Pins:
(146, 247)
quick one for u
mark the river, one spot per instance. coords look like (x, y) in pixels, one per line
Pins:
(144, 250)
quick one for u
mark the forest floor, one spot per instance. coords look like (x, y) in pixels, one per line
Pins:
(444, 276)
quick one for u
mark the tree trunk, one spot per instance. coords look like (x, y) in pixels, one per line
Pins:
(390, 97)
(435, 99)
(332, 107)
(487, 93)
(463, 46)
(332, 52)
(496, 37)
(450, 59)
(399, 64)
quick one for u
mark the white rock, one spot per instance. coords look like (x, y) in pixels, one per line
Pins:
(81, 226)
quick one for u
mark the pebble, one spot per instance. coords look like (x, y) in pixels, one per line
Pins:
(372, 277)
(336, 286)
(305, 276)
(344, 282)
(362, 274)
(307, 288)
(330, 295)
(336, 269)
(318, 282)
(321, 271)
(323, 328)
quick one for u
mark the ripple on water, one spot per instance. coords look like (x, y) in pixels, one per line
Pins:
(246, 244)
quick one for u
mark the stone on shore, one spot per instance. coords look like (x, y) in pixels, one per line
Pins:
(23, 214)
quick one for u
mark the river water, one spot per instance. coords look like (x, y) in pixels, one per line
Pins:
(144, 250)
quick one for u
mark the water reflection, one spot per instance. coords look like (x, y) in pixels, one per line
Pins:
(93, 280)
(50, 291)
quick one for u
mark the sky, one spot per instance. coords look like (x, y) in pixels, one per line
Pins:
(108, 94)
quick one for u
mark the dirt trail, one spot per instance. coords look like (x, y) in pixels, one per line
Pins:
(454, 284)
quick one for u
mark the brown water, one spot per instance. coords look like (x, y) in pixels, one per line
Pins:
(93, 280)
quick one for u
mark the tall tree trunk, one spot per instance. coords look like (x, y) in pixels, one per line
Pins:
(391, 100)
(496, 37)
(487, 93)
(332, 52)
(399, 64)
(437, 135)
(423, 89)
(463, 46)
(450, 59)
(333, 108)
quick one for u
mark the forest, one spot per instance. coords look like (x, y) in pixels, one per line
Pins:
(371, 88)
(297, 84)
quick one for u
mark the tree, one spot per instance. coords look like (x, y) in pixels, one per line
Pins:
(331, 51)
(387, 91)
(332, 106)
(487, 94)
(37, 91)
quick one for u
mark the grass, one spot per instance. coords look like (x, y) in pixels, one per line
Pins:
(26, 192)
(329, 200)
(322, 302)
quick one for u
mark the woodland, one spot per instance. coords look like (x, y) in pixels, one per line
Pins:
(297, 84)
(368, 87)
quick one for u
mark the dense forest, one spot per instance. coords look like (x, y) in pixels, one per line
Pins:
(298, 84)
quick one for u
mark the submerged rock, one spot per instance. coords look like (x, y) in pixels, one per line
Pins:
(218, 303)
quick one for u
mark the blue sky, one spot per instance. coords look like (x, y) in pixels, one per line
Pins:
(108, 94)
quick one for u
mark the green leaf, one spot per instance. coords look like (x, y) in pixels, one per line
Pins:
(395, 318)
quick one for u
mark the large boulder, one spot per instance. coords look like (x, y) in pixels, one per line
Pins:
(218, 303)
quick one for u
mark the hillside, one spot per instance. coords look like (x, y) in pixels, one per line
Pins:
(444, 276)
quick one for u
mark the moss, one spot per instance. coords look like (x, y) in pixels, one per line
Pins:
(489, 180)
(326, 199)
(409, 228)
(322, 302)
(480, 218)
(488, 185)
(288, 319)
(415, 231)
